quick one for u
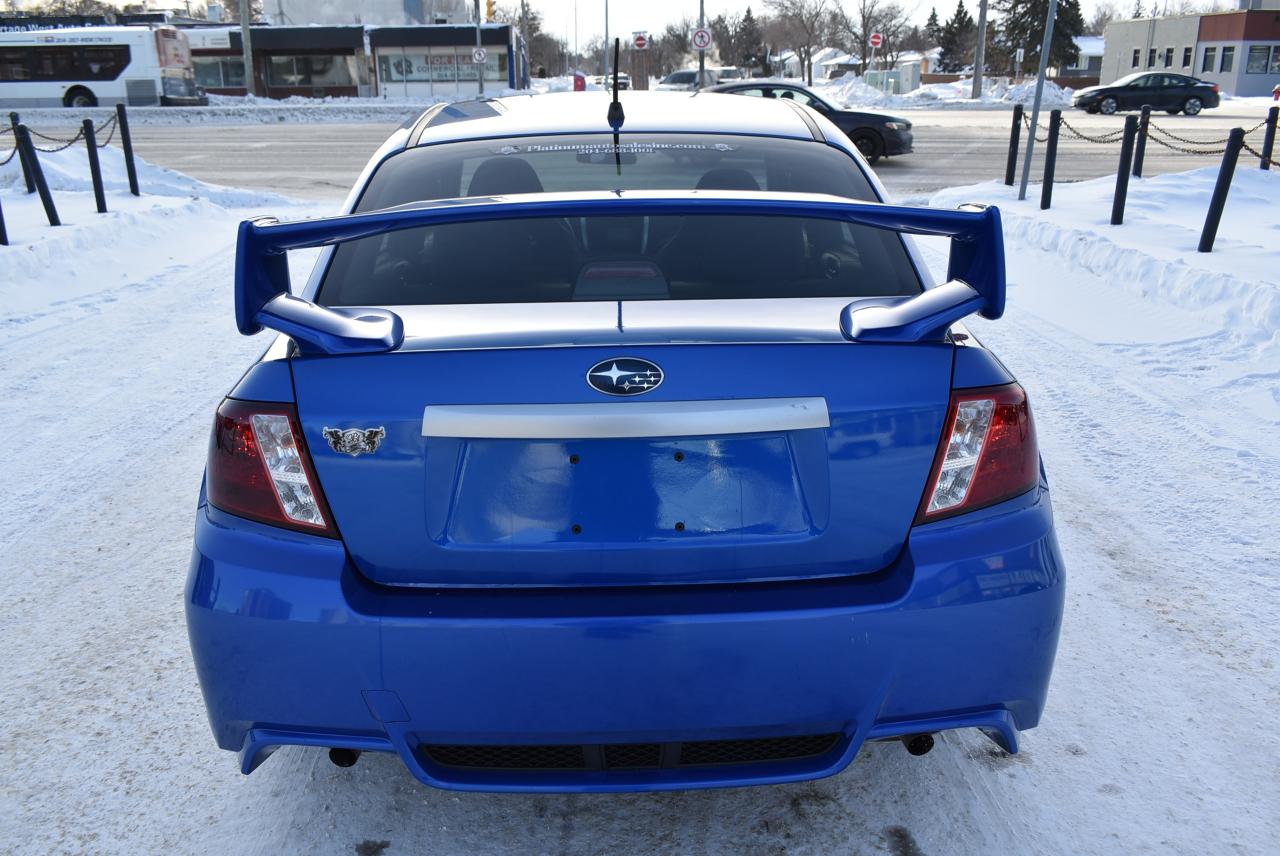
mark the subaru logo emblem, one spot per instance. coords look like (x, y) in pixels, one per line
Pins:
(624, 376)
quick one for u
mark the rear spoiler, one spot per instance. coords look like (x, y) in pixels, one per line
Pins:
(975, 271)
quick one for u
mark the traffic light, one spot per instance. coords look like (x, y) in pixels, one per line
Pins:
(490, 8)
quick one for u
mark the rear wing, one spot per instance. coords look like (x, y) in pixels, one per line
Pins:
(975, 270)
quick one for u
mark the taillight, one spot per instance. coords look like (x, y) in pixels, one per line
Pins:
(988, 453)
(259, 468)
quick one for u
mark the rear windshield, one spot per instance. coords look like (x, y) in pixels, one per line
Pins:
(616, 258)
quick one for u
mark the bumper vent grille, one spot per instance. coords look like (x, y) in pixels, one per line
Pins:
(632, 756)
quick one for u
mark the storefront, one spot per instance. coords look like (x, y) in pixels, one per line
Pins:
(439, 61)
(314, 62)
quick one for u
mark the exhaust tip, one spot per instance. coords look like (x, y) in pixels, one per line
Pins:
(344, 757)
(918, 744)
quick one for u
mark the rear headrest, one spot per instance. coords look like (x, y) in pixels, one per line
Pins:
(727, 179)
(499, 176)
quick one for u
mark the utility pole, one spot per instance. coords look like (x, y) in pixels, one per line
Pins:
(1035, 108)
(479, 67)
(979, 58)
(605, 64)
(246, 49)
(702, 54)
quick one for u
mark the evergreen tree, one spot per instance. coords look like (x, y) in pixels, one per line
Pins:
(933, 29)
(959, 38)
(1022, 26)
(751, 49)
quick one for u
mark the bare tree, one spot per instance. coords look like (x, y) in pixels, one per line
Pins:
(872, 16)
(1104, 14)
(805, 23)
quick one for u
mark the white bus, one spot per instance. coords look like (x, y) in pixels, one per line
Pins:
(88, 66)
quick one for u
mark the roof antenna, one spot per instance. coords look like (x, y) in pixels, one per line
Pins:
(616, 116)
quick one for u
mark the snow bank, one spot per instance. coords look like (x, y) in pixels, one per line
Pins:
(851, 90)
(1153, 255)
(140, 237)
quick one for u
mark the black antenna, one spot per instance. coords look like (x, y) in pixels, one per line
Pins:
(616, 116)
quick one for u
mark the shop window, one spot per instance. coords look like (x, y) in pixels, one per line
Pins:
(1258, 59)
(315, 70)
(219, 72)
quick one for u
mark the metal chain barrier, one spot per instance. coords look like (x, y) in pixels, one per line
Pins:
(1104, 139)
(1154, 134)
(1251, 150)
(1026, 121)
(64, 143)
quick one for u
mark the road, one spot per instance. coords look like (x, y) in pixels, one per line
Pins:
(953, 147)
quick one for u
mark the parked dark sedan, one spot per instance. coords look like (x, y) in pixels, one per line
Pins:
(875, 134)
(1163, 91)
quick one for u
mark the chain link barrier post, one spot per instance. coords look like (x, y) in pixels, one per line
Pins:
(1269, 137)
(1122, 174)
(1015, 132)
(95, 168)
(22, 158)
(126, 142)
(1144, 123)
(1218, 201)
(42, 187)
(1050, 159)
(4, 234)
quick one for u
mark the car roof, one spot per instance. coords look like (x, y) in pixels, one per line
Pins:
(587, 112)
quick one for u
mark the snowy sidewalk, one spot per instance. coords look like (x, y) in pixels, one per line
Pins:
(1157, 417)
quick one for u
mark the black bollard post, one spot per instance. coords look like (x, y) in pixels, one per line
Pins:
(22, 158)
(4, 235)
(1050, 159)
(1269, 138)
(1140, 152)
(1235, 142)
(95, 168)
(42, 187)
(1015, 132)
(126, 143)
(1122, 174)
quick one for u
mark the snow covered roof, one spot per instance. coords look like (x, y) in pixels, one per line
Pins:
(1091, 45)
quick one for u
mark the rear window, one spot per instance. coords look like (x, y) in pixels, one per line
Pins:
(616, 258)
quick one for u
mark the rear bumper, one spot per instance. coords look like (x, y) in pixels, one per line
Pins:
(293, 646)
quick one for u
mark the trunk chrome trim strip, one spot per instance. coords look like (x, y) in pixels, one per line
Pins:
(624, 419)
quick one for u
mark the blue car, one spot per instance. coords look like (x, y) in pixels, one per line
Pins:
(621, 446)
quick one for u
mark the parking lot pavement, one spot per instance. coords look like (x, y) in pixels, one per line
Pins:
(952, 147)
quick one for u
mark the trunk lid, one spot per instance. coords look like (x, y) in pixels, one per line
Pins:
(750, 487)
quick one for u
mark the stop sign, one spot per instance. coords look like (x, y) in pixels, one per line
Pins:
(876, 40)
(641, 41)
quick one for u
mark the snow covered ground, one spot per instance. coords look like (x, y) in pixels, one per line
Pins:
(851, 91)
(1154, 375)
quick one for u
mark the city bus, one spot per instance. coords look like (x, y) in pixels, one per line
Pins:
(88, 66)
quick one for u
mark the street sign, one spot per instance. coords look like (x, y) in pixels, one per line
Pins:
(876, 40)
(701, 39)
(479, 55)
(1021, 55)
(640, 41)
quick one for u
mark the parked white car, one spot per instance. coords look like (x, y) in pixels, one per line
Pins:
(687, 80)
